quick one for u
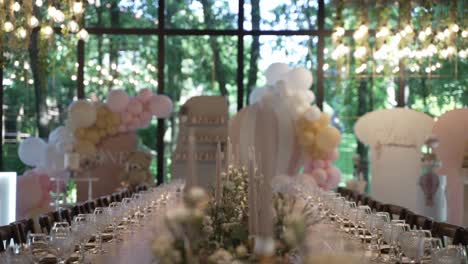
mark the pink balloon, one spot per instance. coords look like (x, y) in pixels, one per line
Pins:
(160, 106)
(145, 94)
(126, 117)
(145, 115)
(332, 155)
(122, 128)
(117, 100)
(334, 177)
(320, 176)
(134, 106)
(310, 165)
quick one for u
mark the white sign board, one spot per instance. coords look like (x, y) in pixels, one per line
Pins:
(7, 197)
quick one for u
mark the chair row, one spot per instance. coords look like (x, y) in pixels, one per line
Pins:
(18, 231)
(449, 234)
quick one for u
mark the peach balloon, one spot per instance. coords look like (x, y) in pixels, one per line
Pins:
(134, 106)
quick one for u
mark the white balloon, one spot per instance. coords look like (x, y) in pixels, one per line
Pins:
(81, 113)
(309, 96)
(53, 160)
(299, 78)
(312, 113)
(59, 134)
(31, 151)
(275, 72)
(257, 94)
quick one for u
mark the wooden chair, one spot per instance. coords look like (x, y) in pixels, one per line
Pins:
(448, 233)
(45, 222)
(6, 236)
(65, 214)
(142, 187)
(419, 221)
(102, 201)
(21, 229)
(116, 197)
(395, 211)
(75, 211)
(376, 206)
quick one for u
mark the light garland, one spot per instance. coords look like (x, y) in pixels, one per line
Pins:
(420, 47)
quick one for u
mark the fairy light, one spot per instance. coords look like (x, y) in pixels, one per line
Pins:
(396, 69)
(326, 66)
(59, 16)
(383, 32)
(361, 32)
(16, 63)
(30, 81)
(83, 34)
(22, 33)
(16, 7)
(361, 68)
(39, 3)
(438, 65)
(74, 78)
(408, 29)
(433, 68)
(455, 28)
(446, 33)
(464, 33)
(73, 26)
(428, 31)
(26, 66)
(8, 26)
(360, 52)
(77, 7)
(339, 32)
(33, 22)
(48, 30)
(422, 36)
(379, 69)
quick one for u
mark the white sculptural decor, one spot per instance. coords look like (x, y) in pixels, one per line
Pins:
(7, 197)
(395, 137)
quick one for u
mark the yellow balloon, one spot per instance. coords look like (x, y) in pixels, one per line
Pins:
(328, 139)
(80, 133)
(324, 119)
(85, 148)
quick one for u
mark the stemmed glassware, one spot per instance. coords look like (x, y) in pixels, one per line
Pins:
(102, 222)
(115, 213)
(81, 228)
(378, 222)
(63, 241)
(412, 245)
(38, 245)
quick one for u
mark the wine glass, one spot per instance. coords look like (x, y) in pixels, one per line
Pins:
(378, 221)
(115, 213)
(38, 245)
(81, 229)
(62, 240)
(412, 245)
(102, 222)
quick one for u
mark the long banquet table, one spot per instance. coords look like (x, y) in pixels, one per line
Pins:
(327, 245)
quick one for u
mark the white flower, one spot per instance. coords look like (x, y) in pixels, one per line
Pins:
(178, 214)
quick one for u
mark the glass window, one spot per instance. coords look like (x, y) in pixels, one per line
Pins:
(202, 14)
(280, 15)
(122, 13)
(37, 91)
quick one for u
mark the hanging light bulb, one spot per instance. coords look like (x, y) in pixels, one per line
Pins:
(39, 3)
(59, 16)
(464, 33)
(83, 34)
(379, 69)
(33, 22)
(8, 27)
(446, 32)
(422, 36)
(73, 26)
(22, 33)
(77, 7)
(428, 31)
(383, 32)
(360, 52)
(455, 28)
(408, 29)
(361, 32)
(16, 7)
(48, 30)
(51, 11)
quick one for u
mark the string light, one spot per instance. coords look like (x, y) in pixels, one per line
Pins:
(8, 26)
(361, 32)
(48, 31)
(83, 34)
(73, 26)
(455, 28)
(39, 3)
(464, 33)
(77, 7)
(383, 32)
(16, 7)
(22, 33)
(360, 52)
(33, 22)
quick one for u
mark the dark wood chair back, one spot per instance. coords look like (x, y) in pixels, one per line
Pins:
(419, 221)
(45, 222)
(396, 211)
(21, 229)
(376, 206)
(6, 236)
(448, 233)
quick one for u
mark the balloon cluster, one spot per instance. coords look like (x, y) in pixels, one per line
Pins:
(89, 123)
(106, 124)
(319, 140)
(137, 112)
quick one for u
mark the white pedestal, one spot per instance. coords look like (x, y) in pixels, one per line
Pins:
(7, 197)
